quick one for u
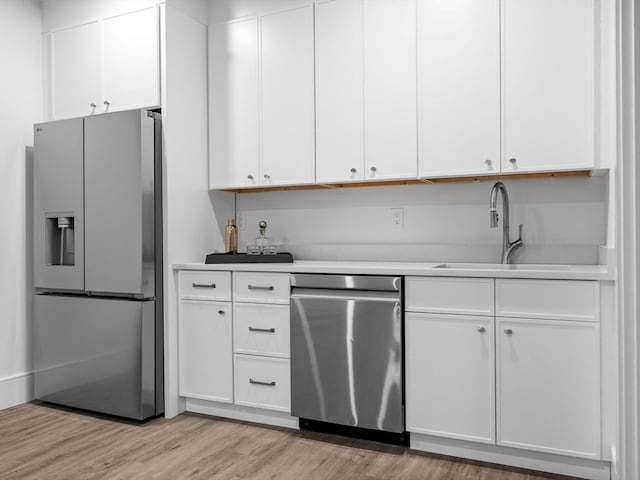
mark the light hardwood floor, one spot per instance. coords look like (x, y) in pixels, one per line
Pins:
(45, 443)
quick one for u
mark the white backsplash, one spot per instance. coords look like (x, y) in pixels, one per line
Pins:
(565, 221)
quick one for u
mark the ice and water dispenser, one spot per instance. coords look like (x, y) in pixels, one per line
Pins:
(60, 240)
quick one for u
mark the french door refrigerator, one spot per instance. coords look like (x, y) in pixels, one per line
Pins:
(97, 334)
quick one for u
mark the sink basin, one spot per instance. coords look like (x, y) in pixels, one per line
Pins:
(500, 266)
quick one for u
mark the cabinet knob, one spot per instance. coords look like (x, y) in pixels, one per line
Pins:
(373, 169)
(513, 161)
(488, 162)
(250, 177)
(221, 312)
(353, 170)
(508, 331)
(482, 329)
(267, 177)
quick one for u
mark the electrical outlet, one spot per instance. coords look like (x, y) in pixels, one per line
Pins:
(242, 221)
(397, 218)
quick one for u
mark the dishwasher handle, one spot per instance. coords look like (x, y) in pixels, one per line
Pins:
(344, 295)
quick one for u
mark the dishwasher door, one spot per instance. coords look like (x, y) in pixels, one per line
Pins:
(346, 358)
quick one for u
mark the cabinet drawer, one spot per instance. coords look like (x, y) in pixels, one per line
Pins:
(548, 299)
(205, 285)
(261, 329)
(261, 287)
(467, 296)
(263, 382)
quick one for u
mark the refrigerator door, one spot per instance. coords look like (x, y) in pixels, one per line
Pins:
(119, 203)
(95, 354)
(58, 205)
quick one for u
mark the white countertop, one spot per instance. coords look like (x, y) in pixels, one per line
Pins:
(560, 272)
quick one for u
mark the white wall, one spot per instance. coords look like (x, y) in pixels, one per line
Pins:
(193, 227)
(565, 220)
(21, 101)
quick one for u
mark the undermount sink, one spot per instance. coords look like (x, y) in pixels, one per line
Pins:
(500, 266)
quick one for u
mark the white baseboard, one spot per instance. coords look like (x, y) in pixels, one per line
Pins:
(514, 457)
(246, 414)
(15, 390)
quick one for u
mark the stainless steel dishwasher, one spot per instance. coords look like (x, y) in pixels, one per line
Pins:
(347, 350)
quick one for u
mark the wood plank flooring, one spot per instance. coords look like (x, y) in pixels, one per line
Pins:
(45, 443)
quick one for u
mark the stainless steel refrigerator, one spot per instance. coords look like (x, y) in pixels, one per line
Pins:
(97, 336)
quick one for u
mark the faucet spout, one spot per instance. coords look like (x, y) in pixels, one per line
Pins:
(508, 247)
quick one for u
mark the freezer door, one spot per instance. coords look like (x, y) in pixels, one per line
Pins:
(95, 354)
(58, 205)
(119, 203)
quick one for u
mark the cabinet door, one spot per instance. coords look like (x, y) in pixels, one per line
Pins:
(390, 89)
(75, 71)
(288, 125)
(339, 84)
(205, 347)
(131, 61)
(450, 376)
(459, 86)
(548, 85)
(234, 104)
(549, 386)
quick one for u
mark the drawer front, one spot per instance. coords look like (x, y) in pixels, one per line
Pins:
(263, 382)
(203, 285)
(261, 329)
(466, 296)
(261, 287)
(548, 299)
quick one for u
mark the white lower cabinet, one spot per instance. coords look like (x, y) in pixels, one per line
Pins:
(263, 382)
(206, 364)
(450, 376)
(548, 375)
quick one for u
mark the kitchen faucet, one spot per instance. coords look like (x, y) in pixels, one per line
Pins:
(508, 247)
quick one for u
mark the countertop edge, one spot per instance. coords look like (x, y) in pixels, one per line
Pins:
(582, 272)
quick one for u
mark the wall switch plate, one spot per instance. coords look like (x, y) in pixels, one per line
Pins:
(397, 218)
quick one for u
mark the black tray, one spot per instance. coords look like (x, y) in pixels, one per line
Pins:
(283, 257)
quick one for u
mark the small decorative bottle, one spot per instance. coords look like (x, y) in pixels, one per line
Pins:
(231, 237)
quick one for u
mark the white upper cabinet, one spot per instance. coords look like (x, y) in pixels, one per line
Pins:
(390, 89)
(107, 65)
(234, 104)
(459, 87)
(548, 85)
(287, 97)
(75, 71)
(339, 85)
(131, 60)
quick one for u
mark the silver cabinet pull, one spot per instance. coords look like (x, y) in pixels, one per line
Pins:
(221, 312)
(258, 287)
(508, 331)
(513, 161)
(353, 170)
(250, 177)
(267, 177)
(488, 162)
(266, 330)
(203, 285)
(482, 329)
(257, 382)
(373, 169)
